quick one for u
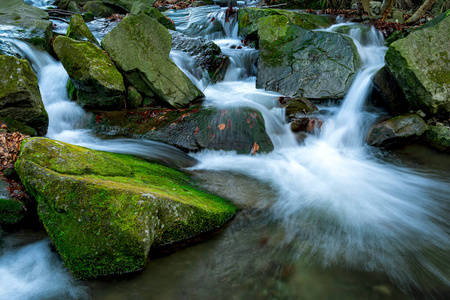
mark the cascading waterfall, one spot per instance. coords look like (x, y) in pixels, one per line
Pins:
(338, 204)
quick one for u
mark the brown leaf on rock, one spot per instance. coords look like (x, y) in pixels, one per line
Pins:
(221, 126)
(255, 148)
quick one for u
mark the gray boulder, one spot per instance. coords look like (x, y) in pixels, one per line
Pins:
(421, 65)
(206, 53)
(193, 129)
(300, 63)
(99, 84)
(396, 130)
(140, 47)
(25, 22)
(20, 98)
(78, 30)
(142, 8)
(438, 137)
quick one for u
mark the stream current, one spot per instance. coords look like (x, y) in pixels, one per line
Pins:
(328, 218)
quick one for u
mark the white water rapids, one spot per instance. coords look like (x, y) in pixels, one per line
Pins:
(338, 203)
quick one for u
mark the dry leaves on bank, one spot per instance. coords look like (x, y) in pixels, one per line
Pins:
(9, 148)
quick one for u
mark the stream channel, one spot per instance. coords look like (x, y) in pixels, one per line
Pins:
(330, 218)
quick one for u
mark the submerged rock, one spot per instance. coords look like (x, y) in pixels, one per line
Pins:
(78, 30)
(396, 130)
(142, 8)
(104, 211)
(421, 65)
(206, 53)
(192, 129)
(300, 63)
(140, 47)
(249, 19)
(99, 84)
(25, 22)
(20, 98)
(438, 137)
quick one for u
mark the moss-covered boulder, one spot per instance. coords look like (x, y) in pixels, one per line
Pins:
(11, 211)
(192, 129)
(25, 22)
(105, 211)
(396, 130)
(15, 126)
(438, 137)
(98, 82)
(142, 8)
(206, 53)
(126, 5)
(78, 30)
(299, 106)
(249, 19)
(98, 9)
(140, 47)
(301, 63)
(421, 65)
(20, 98)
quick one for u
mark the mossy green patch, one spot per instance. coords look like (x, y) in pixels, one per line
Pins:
(104, 211)
(11, 211)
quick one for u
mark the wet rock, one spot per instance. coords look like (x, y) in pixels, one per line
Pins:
(391, 92)
(300, 63)
(15, 126)
(206, 53)
(78, 30)
(98, 9)
(11, 211)
(192, 129)
(126, 5)
(141, 8)
(20, 98)
(72, 6)
(438, 137)
(249, 19)
(421, 65)
(299, 105)
(396, 130)
(104, 211)
(140, 47)
(134, 99)
(25, 22)
(99, 84)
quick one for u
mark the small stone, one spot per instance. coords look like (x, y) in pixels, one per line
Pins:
(421, 114)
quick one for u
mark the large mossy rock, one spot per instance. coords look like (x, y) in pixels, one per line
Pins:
(142, 8)
(140, 47)
(127, 4)
(300, 63)
(420, 63)
(104, 211)
(98, 9)
(396, 130)
(192, 129)
(25, 22)
(20, 98)
(98, 82)
(206, 53)
(78, 30)
(249, 19)
(438, 137)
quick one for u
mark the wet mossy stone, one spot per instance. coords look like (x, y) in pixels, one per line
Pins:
(20, 98)
(421, 65)
(134, 99)
(98, 82)
(248, 19)
(11, 211)
(140, 47)
(126, 5)
(301, 63)
(104, 211)
(397, 130)
(72, 6)
(193, 129)
(78, 30)
(300, 106)
(142, 8)
(438, 137)
(15, 126)
(98, 9)
(25, 22)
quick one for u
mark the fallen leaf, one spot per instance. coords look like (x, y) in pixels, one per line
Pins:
(255, 148)
(221, 126)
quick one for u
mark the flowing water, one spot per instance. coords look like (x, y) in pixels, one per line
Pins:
(330, 218)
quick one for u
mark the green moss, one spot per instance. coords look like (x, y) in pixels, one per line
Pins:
(13, 126)
(438, 137)
(11, 211)
(104, 211)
